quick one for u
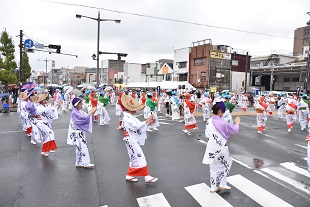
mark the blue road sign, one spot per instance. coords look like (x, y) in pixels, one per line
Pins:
(29, 43)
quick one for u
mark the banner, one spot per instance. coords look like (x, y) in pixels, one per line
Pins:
(221, 55)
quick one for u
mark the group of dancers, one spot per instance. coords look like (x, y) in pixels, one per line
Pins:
(37, 116)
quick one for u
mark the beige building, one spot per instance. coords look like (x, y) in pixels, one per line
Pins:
(301, 46)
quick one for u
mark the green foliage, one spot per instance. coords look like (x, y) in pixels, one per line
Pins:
(7, 60)
(26, 67)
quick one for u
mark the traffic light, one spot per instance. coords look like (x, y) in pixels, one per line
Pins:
(57, 47)
(242, 83)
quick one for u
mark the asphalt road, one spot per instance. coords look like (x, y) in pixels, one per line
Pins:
(268, 169)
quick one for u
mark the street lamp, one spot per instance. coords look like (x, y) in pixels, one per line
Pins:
(78, 16)
(46, 60)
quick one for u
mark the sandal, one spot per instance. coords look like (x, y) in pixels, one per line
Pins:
(131, 179)
(215, 191)
(153, 180)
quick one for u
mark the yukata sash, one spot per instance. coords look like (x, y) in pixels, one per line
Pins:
(215, 144)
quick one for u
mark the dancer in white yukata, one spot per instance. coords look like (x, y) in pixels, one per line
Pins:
(270, 102)
(205, 105)
(245, 102)
(261, 115)
(103, 101)
(303, 112)
(80, 124)
(135, 136)
(290, 108)
(217, 154)
(174, 102)
(45, 116)
(22, 111)
(281, 105)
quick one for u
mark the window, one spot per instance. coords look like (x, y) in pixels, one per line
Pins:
(295, 79)
(182, 64)
(203, 76)
(199, 61)
(286, 79)
(234, 62)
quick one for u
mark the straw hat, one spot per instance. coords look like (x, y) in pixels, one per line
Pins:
(39, 98)
(23, 96)
(131, 104)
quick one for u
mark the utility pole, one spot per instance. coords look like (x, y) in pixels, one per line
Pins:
(21, 57)
(246, 72)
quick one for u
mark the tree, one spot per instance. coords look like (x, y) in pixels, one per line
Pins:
(7, 64)
(26, 68)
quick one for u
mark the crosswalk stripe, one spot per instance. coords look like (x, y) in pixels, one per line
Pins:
(255, 192)
(292, 166)
(279, 183)
(201, 193)
(288, 180)
(156, 200)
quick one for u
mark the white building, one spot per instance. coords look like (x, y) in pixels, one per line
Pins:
(181, 64)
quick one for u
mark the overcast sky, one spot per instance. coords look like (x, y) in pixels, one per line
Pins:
(150, 39)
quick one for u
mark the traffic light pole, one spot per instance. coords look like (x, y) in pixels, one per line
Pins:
(21, 57)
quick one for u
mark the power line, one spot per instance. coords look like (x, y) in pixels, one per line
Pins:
(168, 19)
(35, 39)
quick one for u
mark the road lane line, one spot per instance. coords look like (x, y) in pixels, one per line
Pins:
(241, 163)
(288, 180)
(165, 123)
(6, 132)
(201, 193)
(292, 166)
(156, 200)
(255, 192)
(301, 146)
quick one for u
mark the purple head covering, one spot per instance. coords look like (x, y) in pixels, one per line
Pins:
(76, 101)
(31, 109)
(22, 90)
(221, 105)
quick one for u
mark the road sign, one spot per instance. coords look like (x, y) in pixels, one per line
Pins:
(29, 43)
(39, 46)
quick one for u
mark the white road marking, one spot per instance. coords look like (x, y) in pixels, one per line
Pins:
(201, 193)
(266, 176)
(241, 163)
(156, 200)
(6, 132)
(255, 192)
(268, 136)
(292, 166)
(301, 146)
(288, 180)
(165, 123)
(200, 140)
